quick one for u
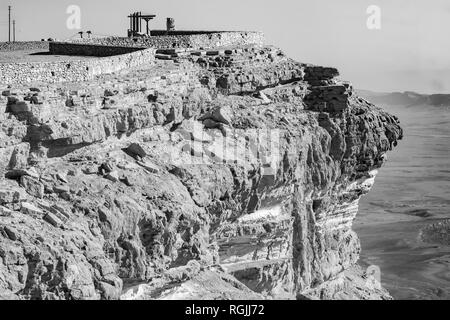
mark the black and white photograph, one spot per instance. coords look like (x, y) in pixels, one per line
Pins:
(224, 150)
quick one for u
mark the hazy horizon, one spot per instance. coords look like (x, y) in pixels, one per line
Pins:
(409, 53)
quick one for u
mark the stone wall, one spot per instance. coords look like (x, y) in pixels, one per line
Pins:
(79, 70)
(179, 39)
(24, 45)
(82, 49)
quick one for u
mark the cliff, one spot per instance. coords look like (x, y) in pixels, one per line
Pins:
(227, 173)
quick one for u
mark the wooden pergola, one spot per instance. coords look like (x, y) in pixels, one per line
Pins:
(136, 22)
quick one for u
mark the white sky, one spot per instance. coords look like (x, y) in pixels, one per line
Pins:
(410, 52)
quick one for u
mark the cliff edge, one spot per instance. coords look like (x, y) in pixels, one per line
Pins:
(227, 173)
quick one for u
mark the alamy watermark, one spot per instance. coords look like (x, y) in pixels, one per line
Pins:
(73, 22)
(373, 276)
(231, 146)
(374, 19)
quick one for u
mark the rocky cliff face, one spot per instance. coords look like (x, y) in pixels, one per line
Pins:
(231, 173)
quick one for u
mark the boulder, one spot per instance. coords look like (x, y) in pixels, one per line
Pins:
(222, 114)
(19, 106)
(8, 196)
(90, 169)
(62, 176)
(149, 166)
(135, 150)
(28, 208)
(106, 167)
(32, 186)
(112, 176)
(35, 99)
(264, 98)
(60, 189)
(110, 92)
(153, 97)
(211, 124)
(19, 157)
(53, 219)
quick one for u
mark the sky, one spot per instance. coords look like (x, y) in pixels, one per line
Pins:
(410, 51)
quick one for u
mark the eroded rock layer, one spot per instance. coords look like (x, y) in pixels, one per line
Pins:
(228, 173)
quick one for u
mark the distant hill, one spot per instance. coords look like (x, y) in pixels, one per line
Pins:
(407, 98)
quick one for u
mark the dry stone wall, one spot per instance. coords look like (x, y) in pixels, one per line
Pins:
(180, 40)
(81, 70)
(24, 45)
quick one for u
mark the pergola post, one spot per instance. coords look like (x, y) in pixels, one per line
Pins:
(136, 22)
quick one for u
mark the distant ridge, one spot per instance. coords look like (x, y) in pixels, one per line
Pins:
(407, 98)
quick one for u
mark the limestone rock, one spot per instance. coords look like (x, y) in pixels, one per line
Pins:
(52, 219)
(18, 173)
(220, 114)
(112, 176)
(8, 196)
(62, 176)
(232, 174)
(32, 186)
(30, 209)
(206, 285)
(149, 166)
(19, 157)
(135, 150)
